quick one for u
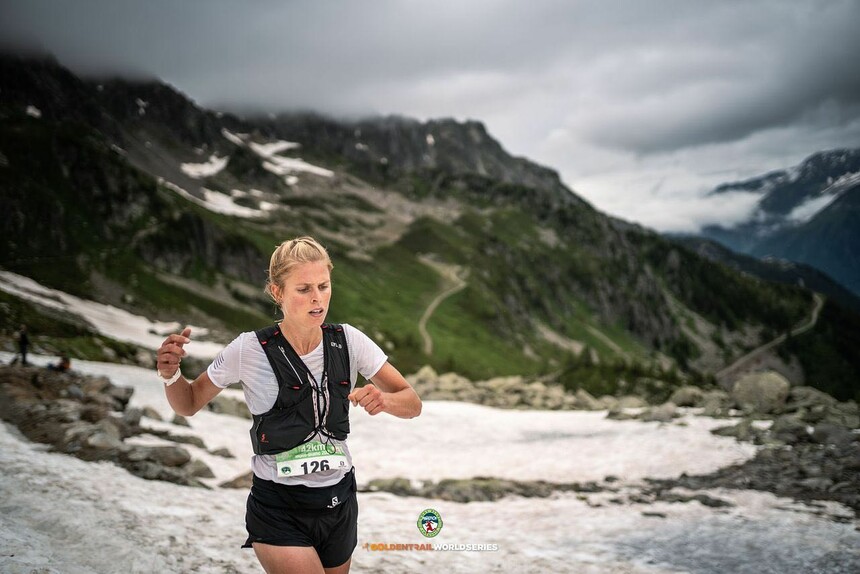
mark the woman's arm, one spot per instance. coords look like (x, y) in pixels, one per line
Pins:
(185, 398)
(389, 393)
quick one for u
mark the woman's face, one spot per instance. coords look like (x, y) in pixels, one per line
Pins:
(305, 294)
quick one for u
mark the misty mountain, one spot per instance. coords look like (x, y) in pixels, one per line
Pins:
(807, 215)
(128, 193)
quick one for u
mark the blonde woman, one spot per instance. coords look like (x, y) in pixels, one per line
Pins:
(298, 377)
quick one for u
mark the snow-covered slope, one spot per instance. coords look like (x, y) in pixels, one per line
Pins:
(64, 515)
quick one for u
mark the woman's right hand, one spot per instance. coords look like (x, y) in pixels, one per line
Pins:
(170, 354)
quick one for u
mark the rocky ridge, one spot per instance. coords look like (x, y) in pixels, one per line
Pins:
(88, 417)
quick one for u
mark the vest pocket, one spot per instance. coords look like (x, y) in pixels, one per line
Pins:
(338, 416)
(281, 429)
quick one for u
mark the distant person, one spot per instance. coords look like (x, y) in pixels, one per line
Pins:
(23, 343)
(299, 378)
(63, 365)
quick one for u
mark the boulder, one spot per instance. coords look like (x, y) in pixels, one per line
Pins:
(223, 452)
(225, 405)
(631, 402)
(789, 429)
(687, 396)
(761, 392)
(829, 433)
(586, 401)
(179, 420)
(198, 469)
(662, 413)
(743, 431)
(151, 413)
(241, 481)
(716, 403)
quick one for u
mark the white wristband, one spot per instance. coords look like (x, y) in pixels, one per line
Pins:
(167, 382)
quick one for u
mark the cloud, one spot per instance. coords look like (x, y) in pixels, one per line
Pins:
(669, 95)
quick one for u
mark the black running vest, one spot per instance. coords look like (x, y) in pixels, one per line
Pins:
(304, 406)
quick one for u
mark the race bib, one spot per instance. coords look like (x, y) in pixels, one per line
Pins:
(313, 456)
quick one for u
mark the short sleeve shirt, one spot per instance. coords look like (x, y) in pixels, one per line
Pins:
(245, 362)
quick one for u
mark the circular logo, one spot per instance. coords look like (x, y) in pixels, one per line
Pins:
(429, 523)
(285, 470)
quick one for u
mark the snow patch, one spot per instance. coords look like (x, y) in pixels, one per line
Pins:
(286, 165)
(136, 525)
(231, 137)
(809, 208)
(215, 201)
(270, 149)
(106, 319)
(141, 106)
(208, 169)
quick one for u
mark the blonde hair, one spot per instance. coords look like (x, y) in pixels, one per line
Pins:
(288, 255)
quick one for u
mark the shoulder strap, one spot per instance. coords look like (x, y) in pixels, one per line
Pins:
(336, 353)
(289, 369)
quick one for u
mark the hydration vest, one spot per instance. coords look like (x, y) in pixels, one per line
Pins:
(304, 406)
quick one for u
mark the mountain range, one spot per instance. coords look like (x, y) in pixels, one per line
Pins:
(447, 250)
(808, 214)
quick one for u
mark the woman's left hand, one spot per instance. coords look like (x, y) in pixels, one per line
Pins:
(369, 397)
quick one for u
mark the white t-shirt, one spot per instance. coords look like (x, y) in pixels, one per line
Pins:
(244, 361)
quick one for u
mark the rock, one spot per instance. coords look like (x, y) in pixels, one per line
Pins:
(151, 413)
(170, 456)
(145, 359)
(607, 402)
(424, 377)
(586, 401)
(186, 439)
(83, 423)
(101, 440)
(95, 385)
(716, 403)
(828, 433)
(198, 469)
(662, 413)
(229, 406)
(121, 395)
(132, 417)
(398, 486)
(618, 414)
(789, 429)
(743, 431)
(75, 392)
(703, 499)
(761, 392)
(454, 383)
(179, 420)
(807, 397)
(816, 483)
(241, 481)
(687, 396)
(223, 452)
(631, 402)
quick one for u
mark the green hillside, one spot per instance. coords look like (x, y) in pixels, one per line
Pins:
(546, 284)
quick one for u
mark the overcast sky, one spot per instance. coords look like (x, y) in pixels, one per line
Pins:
(642, 106)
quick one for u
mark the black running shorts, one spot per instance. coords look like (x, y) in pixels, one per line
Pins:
(283, 515)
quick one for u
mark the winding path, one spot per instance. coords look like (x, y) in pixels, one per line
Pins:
(744, 361)
(451, 274)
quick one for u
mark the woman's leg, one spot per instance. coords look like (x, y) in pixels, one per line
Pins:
(290, 559)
